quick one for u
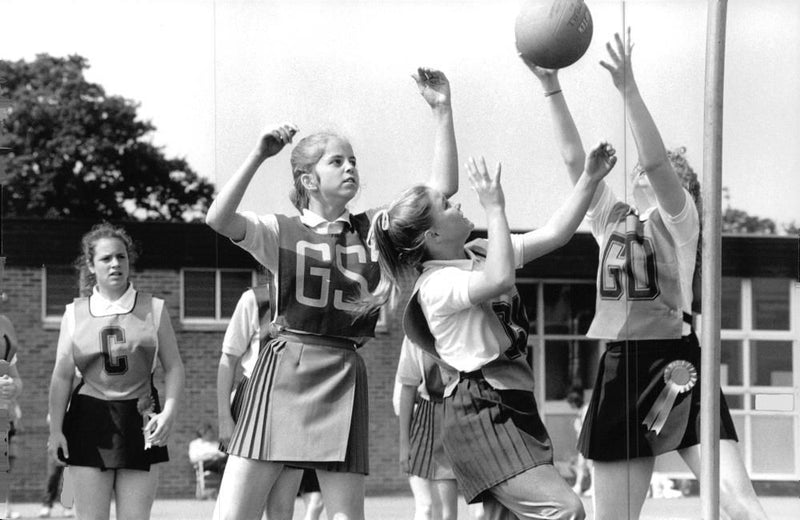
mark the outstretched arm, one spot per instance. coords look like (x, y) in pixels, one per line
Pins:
(652, 154)
(498, 274)
(567, 136)
(222, 215)
(435, 89)
(560, 227)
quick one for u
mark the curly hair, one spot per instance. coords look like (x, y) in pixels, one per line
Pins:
(88, 243)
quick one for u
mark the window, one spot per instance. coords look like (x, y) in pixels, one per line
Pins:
(210, 295)
(758, 371)
(59, 287)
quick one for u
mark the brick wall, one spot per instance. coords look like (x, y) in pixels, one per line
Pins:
(200, 353)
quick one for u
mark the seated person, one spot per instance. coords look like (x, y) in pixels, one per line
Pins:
(205, 449)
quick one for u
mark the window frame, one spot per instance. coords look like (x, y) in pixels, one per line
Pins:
(218, 322)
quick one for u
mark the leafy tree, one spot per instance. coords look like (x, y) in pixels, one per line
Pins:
(78, 152)
(739, 221)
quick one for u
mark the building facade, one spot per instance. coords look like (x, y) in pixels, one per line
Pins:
(201, 275)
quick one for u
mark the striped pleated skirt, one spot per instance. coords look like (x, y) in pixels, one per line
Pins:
(306, 406)
(629, 381)
(427, 458)
(492, 435)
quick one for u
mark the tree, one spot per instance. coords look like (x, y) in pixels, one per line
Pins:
(78, 152)
(739, 221)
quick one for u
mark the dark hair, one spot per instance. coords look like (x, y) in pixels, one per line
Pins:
(203, 429)
(398, 235)
(305, 156)
(88, 243)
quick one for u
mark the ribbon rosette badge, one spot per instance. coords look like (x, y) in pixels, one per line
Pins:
(680, 376)
(146, 407)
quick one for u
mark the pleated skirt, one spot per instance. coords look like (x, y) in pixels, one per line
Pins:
(427, 458)
(629, 381)
(492, 435)
(306, 406)
(108, 434)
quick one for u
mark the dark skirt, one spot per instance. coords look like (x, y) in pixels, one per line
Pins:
(305, 406)
(492, 435)
(308, 483)
(426, 455)
(629, 381)
(108, 435)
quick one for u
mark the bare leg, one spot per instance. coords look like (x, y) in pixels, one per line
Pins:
(343, 494)
(134, 493)
(447, 491)
(314, 505)
(737, 498)
(92, 492)
(620, 487)
(423, 497)
(280, 501)
(236, 499)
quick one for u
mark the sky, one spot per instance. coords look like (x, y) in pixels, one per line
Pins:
(211, 74)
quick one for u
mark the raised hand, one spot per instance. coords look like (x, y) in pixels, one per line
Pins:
(274, 138)
(600, 160)
(548, 77)
(433, 85)
(620, 61)
(488, 188)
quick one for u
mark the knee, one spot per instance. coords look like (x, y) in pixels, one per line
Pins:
(572, 508)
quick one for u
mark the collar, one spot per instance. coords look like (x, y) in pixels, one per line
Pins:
(313, 220)
(467, 264)
(99, 305)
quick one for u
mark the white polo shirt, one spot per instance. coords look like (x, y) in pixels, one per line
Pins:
(464, 338)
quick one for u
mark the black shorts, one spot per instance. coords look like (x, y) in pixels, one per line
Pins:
(629, 381)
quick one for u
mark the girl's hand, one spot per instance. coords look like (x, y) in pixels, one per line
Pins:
(55, 442)
(620, 66)
(157, 429)
(490, 193)
(546, 76)
(274, 139)
(600, 160)
(226, 426)
(7, 388)
(405, 467)
(434, 86)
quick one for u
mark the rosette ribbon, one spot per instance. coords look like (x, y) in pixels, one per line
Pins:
(680, 376)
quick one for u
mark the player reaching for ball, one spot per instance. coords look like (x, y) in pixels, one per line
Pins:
(305, 405)
(646, 399)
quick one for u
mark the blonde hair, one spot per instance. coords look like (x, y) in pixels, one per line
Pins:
(305, 156)
(397, 233)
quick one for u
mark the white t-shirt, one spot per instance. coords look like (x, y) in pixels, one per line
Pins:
(683, 228)
(242, 337)
(464, 337)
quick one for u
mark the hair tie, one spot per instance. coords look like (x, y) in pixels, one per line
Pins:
(381, 218)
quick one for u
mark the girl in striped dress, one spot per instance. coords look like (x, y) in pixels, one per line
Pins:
(420, 413)
(466, 311)
(305, 405)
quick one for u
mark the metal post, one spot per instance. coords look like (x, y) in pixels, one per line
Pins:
(712, 265)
